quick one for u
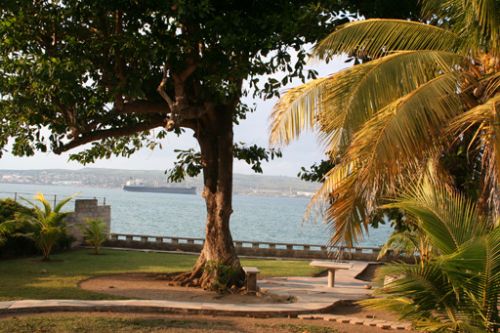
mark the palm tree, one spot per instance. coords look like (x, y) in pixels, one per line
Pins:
(47, 224)
(94, 233)
(424, 88)
(457, 288)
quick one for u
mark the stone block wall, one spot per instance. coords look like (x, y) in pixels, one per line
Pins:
(254, 248)
(86, 209)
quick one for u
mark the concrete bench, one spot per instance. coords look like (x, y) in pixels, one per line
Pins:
(251, 277)
(332, 267)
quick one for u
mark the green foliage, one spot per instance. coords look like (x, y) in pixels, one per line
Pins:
(254, 155)
(94, 233)
(9, 208)
(456, 285)
(189, 161)
(69, 66)
(409, 242)
(16, 233)
(12, 229)
(316, 172)
(403, 9)
(47, 223)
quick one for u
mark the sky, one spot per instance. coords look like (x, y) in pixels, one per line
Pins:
(254, 130)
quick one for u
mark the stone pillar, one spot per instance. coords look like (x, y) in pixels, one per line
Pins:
(331, 278)
(86, 209)
(252, 283)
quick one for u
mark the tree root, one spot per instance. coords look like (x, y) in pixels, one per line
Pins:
(209, 279)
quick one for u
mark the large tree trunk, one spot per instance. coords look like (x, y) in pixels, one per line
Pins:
(218, 266)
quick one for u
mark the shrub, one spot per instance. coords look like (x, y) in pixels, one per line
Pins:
(13, 240)
(16, 233)
(9, 208)
(94, 233)
(455, 287)
(48, 227)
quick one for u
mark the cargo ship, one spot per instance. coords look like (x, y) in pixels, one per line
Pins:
(134, 186)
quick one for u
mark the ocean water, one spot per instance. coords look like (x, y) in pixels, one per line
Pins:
(271, 219)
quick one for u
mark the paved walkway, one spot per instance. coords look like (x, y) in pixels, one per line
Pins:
(311, 294)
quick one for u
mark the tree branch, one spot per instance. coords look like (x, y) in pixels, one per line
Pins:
(161, 89)
(110, 133)
(119, 62)
(140, 107)
(183, 76)
(180, 110)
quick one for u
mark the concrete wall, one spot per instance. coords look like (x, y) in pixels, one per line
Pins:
(253, 248)
(86, 209)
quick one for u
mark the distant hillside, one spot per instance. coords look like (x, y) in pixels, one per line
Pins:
(115, 178)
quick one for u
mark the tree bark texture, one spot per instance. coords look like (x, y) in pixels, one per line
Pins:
(218, 267)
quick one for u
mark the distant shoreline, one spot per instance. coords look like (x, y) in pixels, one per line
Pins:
(89, 186)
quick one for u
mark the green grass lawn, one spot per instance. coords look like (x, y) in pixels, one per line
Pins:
(111, 323)
(31, 278)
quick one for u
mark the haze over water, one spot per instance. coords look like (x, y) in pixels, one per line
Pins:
(271, 219)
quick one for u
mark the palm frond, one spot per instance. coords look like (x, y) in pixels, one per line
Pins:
(475, 269)
(447, 217)
(404, 130)
(360, 92)
(41, 198)
(339, 104)
(296, 111)
(485, 118)
(348, 217)
(347, 214)
(419, 291)
(405, 241)
(63, 202)
(376, 37)
(491, 84)
(477, 21)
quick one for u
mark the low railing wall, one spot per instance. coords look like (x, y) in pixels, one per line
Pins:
(251, 248)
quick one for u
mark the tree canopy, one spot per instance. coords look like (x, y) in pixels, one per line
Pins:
(89, 71)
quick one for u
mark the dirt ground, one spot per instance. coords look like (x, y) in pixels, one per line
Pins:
(169, 323)
(156, 287)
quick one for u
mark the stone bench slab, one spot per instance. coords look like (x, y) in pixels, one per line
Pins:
(251, 275)
(330, 264)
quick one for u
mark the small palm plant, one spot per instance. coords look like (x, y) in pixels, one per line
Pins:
(457, 288)
(47, 223)
(94, 233)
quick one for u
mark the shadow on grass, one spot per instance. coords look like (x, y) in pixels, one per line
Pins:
(99, 323)
(178, 323)
(31, 278)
